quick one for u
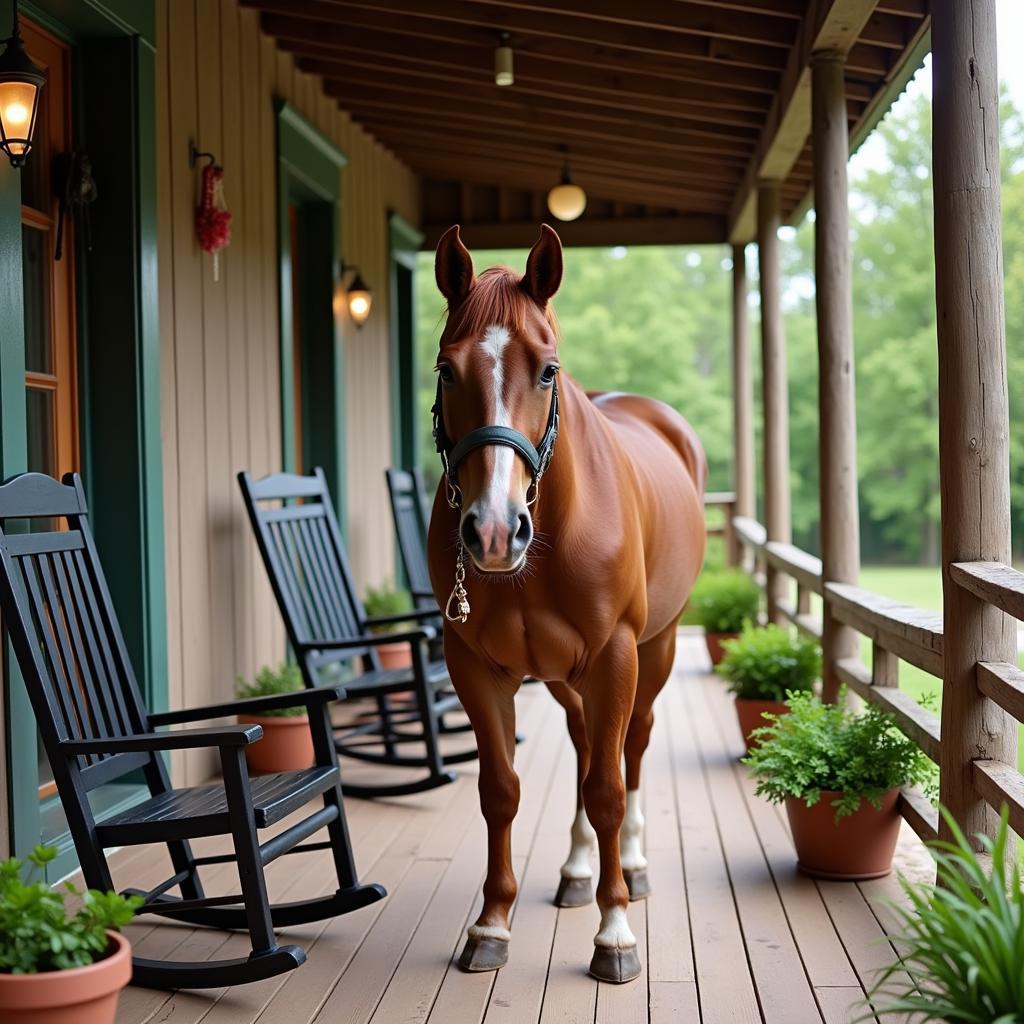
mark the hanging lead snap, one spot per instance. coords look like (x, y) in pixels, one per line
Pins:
(458, 595)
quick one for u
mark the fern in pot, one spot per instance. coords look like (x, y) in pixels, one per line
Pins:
(723, 603)
(56, 965)
(287, 743)
(387, 600)
(763, 665)
(961, 941)
(838, 770)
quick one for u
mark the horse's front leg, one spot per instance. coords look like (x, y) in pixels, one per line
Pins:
(608, 691)
(489, 702)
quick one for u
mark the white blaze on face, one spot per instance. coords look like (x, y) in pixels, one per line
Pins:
(496, 492)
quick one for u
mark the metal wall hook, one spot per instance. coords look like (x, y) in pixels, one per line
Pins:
(195, 155)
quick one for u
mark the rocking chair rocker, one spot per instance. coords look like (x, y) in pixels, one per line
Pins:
(56, 605)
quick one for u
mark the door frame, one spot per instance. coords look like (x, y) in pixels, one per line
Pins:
(309, 170)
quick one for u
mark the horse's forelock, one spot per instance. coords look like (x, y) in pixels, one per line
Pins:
(496, 298)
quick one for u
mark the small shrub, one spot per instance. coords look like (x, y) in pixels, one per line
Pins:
(285, 678)
(818, 746)
(387, 600)
(767, 662)
(723, 602)
(36, 932)
(961, 940)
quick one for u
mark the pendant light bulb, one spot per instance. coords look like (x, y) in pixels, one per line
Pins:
(567, 200)
(503, 73)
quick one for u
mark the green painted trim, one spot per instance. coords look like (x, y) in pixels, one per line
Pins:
(404, 243)
(309, 176)
(78, 20)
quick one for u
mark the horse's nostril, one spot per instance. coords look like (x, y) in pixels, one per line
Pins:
(524, 532)
(468, 531)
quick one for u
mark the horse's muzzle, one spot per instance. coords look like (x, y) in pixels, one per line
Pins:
(497, 542)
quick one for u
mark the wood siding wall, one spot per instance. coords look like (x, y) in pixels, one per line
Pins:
(217, 77)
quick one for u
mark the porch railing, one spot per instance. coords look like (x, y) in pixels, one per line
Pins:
(900, 632)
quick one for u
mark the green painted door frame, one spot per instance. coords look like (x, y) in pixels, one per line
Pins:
(114, 90)
(309, 178)
(404, 244)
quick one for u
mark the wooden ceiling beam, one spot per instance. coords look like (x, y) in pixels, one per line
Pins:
(604, 34)
(360, 72)
(793, 9)
(693, 229)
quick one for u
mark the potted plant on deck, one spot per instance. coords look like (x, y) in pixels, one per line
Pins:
(57, 966)
(723, 602)
(763, 665)
(287, 743)
(839, 771)
(389, 600)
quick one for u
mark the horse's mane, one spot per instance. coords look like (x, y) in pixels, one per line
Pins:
(497, 298)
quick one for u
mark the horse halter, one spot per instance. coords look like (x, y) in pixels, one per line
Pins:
(453, 454)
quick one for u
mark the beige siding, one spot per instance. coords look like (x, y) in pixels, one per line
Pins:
(217, 79)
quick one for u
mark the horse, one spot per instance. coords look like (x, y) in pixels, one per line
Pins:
(582, 518)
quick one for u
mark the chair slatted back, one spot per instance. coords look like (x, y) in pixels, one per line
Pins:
(409, 510)
(303, 552)
(65, 632)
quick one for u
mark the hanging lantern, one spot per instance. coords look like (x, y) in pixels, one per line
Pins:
(567, 200)
(360, 300)
(21, 83)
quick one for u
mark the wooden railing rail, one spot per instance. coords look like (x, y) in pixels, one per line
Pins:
(726, 501)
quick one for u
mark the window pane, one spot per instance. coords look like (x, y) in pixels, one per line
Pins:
(41, 448)
(35, 255)
(35, 175)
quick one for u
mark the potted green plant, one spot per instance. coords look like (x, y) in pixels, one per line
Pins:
(287, 743)
(838, 770)
(723, 602)
(763, 665)
(54, 965)
(389, 600)
(960, 940)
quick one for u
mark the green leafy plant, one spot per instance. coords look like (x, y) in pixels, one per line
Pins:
(723, 602)
(285, 678)
(820, 747)
(961, 941)
(767, 662)
(387, 600)
(36, 932)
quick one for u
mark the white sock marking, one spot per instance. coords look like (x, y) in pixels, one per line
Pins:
(577, 864)
(615, 932)
(489, 931)
(631, 834)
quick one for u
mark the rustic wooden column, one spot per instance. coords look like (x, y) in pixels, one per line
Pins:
(742, 390)
(774, 389)
(973, 412)
(837, 444)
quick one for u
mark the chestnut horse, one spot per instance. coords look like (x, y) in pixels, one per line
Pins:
(581, 556)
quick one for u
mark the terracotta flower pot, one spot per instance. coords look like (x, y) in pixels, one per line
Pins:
(856, 847)
(84, 995)
(751, 712)
(286, 746)
(397, 655)
(714, 641)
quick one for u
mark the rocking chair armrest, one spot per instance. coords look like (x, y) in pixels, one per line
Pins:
(252, 705)
(413, 614)
(423, 593)
(183, 739)
(413, 636)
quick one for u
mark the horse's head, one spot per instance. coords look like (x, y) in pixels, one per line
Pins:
(497, 365)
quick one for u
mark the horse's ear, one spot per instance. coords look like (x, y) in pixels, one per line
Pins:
(544, 267)
(453, 267)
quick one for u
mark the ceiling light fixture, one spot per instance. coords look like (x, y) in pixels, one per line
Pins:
(503, 74)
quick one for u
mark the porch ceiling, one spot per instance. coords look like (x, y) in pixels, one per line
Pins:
(670, 110)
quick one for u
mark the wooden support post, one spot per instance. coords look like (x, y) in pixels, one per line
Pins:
(775, 390)
(837, 414)
(742, 391)
(973, 411)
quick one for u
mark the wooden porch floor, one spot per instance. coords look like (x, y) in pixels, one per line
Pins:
(732, 932)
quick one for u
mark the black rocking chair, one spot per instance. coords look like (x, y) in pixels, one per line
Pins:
(411, 514)
(300, 541)
(67, 640)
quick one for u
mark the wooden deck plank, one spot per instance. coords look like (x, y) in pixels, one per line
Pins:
(840, 1005)
(626, 1004)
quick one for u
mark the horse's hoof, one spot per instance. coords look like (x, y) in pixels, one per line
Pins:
(615, 965)
(484, 954)
(637, 884)
(574, 892)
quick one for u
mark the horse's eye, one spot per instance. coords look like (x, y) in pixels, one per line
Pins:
(444, 371)
(548, 375)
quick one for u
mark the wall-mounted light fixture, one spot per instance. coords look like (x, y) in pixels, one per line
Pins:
(359, 296)
(567, 200)
(21, 82)
(503, 73)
